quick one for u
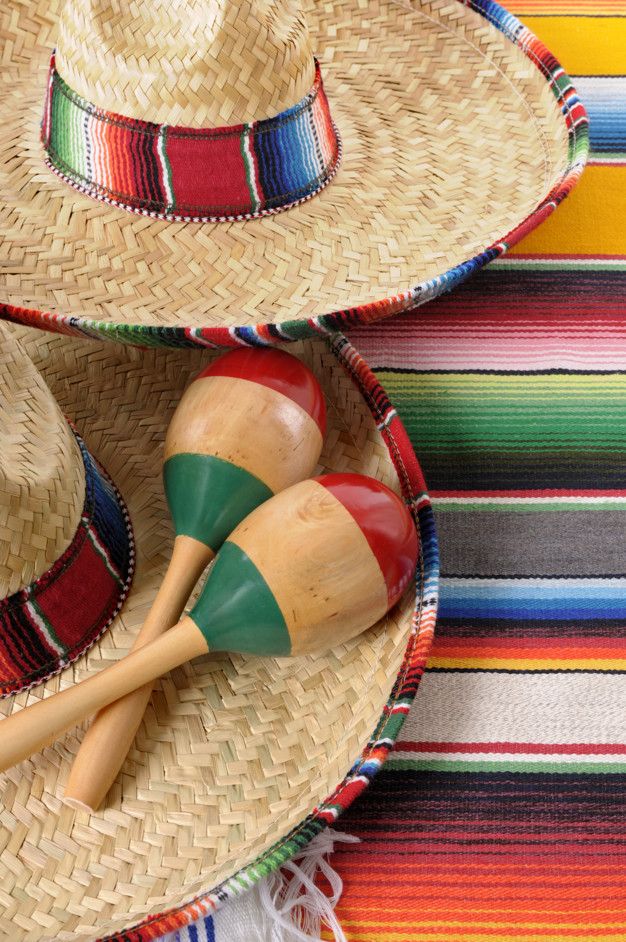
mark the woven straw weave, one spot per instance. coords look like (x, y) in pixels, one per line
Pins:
(452, 137)
(233, 751)
(200, 63)
(42, 476)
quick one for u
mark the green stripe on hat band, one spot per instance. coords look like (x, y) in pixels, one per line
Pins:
(208, 496)
(237, 610)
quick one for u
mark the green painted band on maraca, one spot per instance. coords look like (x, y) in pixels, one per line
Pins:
(236, 610)
(208, 496)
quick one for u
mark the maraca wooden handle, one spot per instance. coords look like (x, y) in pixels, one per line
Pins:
(111, 734)
(37, 726)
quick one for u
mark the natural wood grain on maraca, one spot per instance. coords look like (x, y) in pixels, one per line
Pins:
(289, 542)
(223, 421)
(110, 736)
(37, 726)
(250, 424)
(238, 609)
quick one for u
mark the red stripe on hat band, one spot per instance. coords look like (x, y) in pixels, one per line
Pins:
(277, 370)
(385, 522)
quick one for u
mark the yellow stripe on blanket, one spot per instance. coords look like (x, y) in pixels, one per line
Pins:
(591, 221)
(583, 45)
(526, 664)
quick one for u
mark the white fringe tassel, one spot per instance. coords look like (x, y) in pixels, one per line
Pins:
(296, 908)
(286, 906)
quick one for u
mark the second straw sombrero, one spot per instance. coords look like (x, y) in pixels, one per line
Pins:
(425, 139)
(239, 760)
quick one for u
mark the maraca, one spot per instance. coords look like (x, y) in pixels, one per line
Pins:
(310, 568)
(249, 425)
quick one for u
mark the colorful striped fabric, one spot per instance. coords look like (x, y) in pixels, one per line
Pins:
(51, 622)
(499, 814)
(182, 173)
(605, 98)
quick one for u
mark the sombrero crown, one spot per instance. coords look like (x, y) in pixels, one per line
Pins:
(42, 475)
(66, 553)
(201, 63)
(220, 111)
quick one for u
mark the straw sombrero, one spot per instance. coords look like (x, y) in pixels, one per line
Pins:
(425, 138)
(239, 760)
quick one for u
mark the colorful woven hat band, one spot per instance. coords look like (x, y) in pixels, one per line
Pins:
(191, 174)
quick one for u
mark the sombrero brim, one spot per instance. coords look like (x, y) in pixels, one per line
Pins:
(460, 130)
(239, 760)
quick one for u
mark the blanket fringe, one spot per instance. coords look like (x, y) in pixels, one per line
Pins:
(285, 906)
(295, 907)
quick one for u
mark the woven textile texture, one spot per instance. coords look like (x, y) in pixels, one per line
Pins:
(500, 813)
(189, 173)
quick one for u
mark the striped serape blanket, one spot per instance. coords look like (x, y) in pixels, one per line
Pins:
(500, 815)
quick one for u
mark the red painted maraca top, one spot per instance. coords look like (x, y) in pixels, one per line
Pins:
(385, 522)
(278, 370)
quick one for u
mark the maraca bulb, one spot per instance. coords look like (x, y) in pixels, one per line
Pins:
(313, 566)
(277, 370)
(249, 425)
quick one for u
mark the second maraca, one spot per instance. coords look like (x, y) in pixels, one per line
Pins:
(250, 425)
